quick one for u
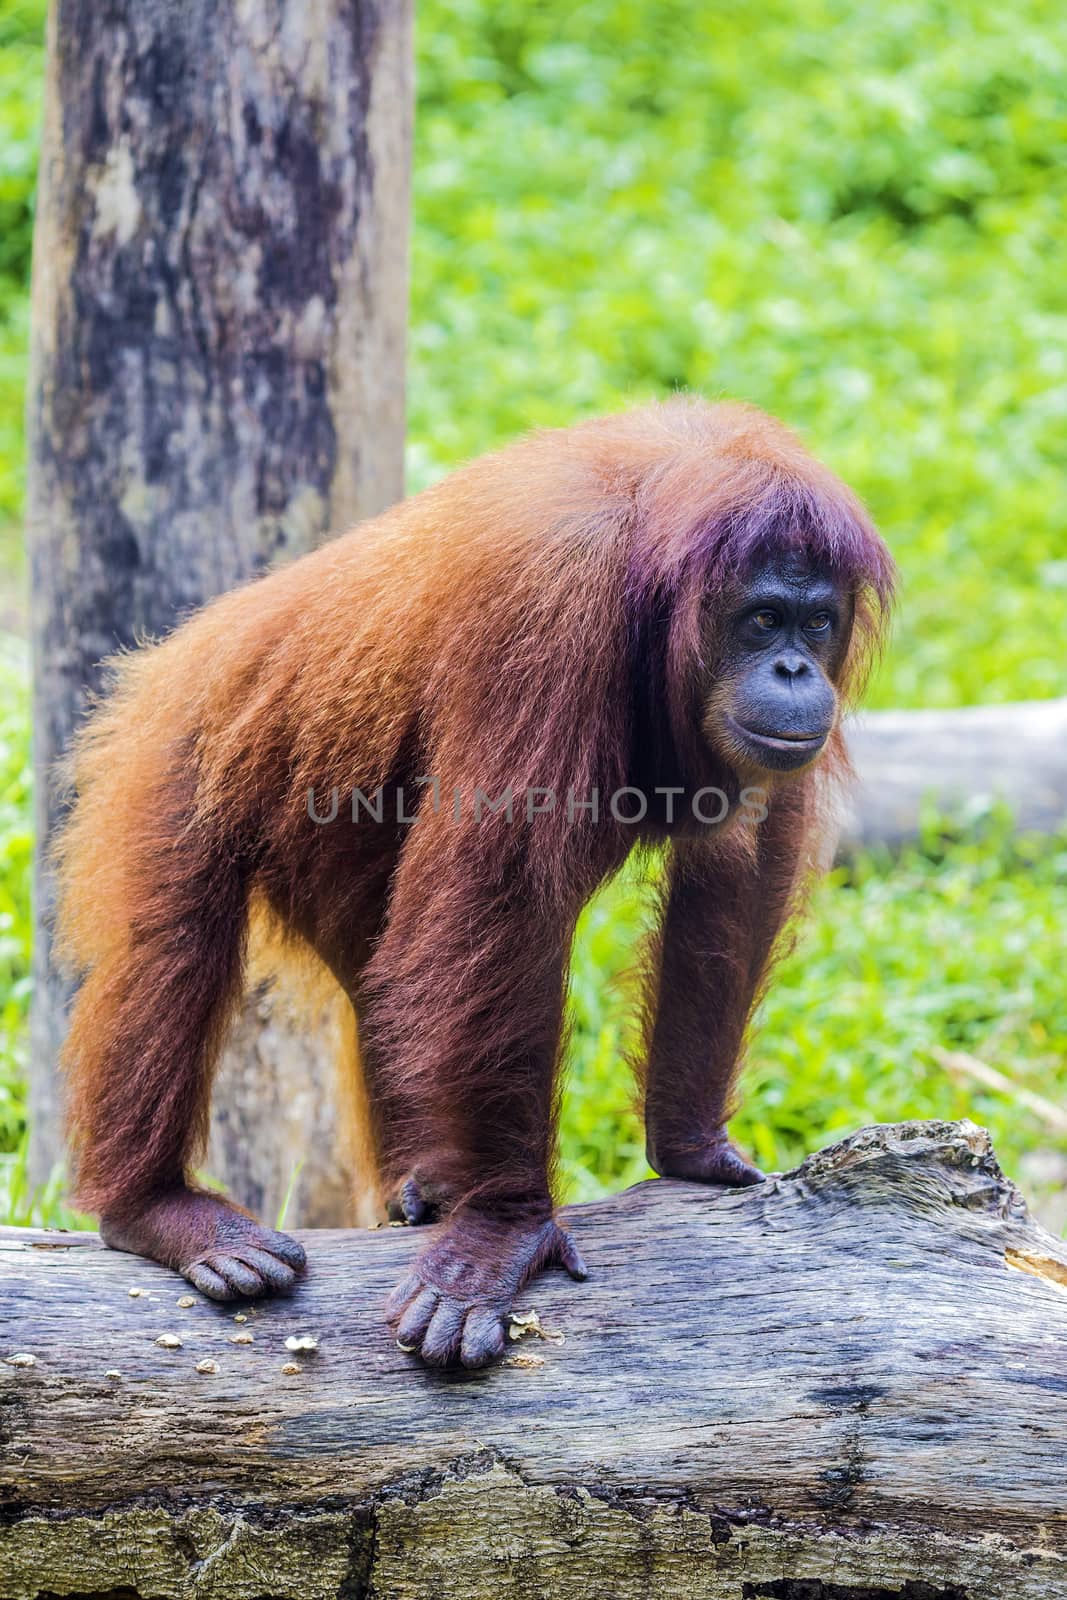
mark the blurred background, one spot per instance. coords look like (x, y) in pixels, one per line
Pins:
(854, 215)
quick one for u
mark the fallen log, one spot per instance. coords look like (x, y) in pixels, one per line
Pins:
(957, 762)
(849, 1383)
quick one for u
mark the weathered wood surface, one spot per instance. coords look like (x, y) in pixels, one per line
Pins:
(217, 379)
(848, 1384)
(959, 761)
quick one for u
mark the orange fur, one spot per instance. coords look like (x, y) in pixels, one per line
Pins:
(484, 631)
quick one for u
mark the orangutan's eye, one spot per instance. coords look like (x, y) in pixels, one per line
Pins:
(818, 623)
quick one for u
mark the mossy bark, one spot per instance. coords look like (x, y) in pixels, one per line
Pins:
(219, 307)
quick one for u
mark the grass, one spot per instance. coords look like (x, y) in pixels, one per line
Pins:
(15, 928)
(852, 214)
(951, 946)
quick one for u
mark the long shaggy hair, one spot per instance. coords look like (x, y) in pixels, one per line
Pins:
(526, 623)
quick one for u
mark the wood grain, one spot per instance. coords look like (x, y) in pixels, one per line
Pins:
(848, 1383)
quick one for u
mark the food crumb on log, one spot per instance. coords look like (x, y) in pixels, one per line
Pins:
(302, 1341)
(521, 1323)
(242, 1337)
(186, 1300)
(207, 1365)
(169, 1341)
(112, 1372)
(291, 1368)
(135, 1294)
(21, 1358)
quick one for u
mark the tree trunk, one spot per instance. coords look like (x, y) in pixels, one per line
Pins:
(957, 762)
(845, 1384)
(219, 304)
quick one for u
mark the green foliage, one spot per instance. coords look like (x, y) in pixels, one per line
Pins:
(15, 852)
(21, 33)
(21, 30)
(15, 849)
(602, 1144)
(854, 215)
(954, 945)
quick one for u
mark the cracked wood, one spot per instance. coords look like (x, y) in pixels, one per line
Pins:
(849, 1380)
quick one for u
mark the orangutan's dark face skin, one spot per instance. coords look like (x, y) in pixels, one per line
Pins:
(775, 703)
